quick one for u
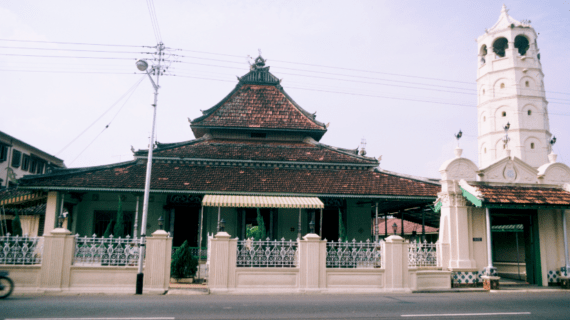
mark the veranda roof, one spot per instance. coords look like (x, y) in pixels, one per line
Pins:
(515, 196)
(262, 202)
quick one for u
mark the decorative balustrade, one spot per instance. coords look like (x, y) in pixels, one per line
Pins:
(94, 251)
(21, 250)
(196, 252)
(267, 253)
(422, 254)
(354, 254)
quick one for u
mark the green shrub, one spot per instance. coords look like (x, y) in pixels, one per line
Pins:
(119, 229)
(183, 264)
(16, 225)
(109, 230)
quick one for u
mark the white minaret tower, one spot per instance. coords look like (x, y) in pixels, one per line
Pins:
(511, 90)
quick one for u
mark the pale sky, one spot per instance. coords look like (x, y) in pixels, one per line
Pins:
(370, 68)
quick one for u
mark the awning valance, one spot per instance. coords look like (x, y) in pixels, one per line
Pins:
(262, 202)
(12, 198)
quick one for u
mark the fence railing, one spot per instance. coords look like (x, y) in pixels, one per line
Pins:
(352, 254)
(94, 251)
(422, 254)
(267, 253)
(201, 254)
(21, 250)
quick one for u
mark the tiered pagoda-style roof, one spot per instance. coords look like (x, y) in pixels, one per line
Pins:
(257, 140)
(258, 103)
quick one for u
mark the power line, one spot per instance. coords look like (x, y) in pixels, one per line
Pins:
(74, 57)
(57, 71)
(154, 20)
(361, 94)
(131, 89)
(56, 49)
(77, 43)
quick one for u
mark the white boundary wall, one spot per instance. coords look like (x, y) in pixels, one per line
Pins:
(57, 274)
(312, 276)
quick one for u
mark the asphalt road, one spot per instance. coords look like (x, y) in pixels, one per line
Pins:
(548, 305)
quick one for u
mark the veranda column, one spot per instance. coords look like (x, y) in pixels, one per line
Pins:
(565, 270)
(52, 210)
(490, 278)
(299, 227)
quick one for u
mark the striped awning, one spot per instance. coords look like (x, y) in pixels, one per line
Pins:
(262, 202)
(9, 198)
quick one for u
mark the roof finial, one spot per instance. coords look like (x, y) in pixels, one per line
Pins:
(363, 147)
(504, 9)
(259, 62)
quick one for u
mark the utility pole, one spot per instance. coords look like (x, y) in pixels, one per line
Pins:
(156, 70)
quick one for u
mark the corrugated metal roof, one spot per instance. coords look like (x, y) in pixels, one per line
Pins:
(262, 202)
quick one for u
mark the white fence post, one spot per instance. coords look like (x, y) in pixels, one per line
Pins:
(312, 262)
(157, 262)
(57, 257)
(222, 255)
(395, 263)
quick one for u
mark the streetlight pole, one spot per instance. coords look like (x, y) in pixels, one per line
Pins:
(143, 66)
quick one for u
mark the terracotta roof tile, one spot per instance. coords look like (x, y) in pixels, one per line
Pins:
(409, 226)
(524, 195)
(261, 151)
(167, 176)
(258, 106)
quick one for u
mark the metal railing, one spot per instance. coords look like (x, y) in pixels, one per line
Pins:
(16, 250)
(94, 251)
(201, 254)
(352, 254)
(422, 254)
(267, 253)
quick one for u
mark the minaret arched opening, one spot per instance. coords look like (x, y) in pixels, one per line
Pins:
(522, 44)
(500, 46)
(483, 53)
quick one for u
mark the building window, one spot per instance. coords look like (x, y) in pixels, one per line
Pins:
(40, 167)
(484, 118)
(16, 158)
(483, 91)
(33, 163)
(3, 152)
(526, 84)
(529, 112)
(25, 162)
(485, 150)
(504, 114)
(532, 145)
(502, 86)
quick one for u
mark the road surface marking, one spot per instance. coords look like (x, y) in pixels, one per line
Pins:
(466, 314)
(117, 318)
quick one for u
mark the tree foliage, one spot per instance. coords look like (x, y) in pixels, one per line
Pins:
(183, 264)
(341, 229)
(119, 229)
(16, 225)
(257, 232)
(109, 230)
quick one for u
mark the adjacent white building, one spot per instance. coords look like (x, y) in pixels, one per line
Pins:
(519, 187)
(18, 159)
